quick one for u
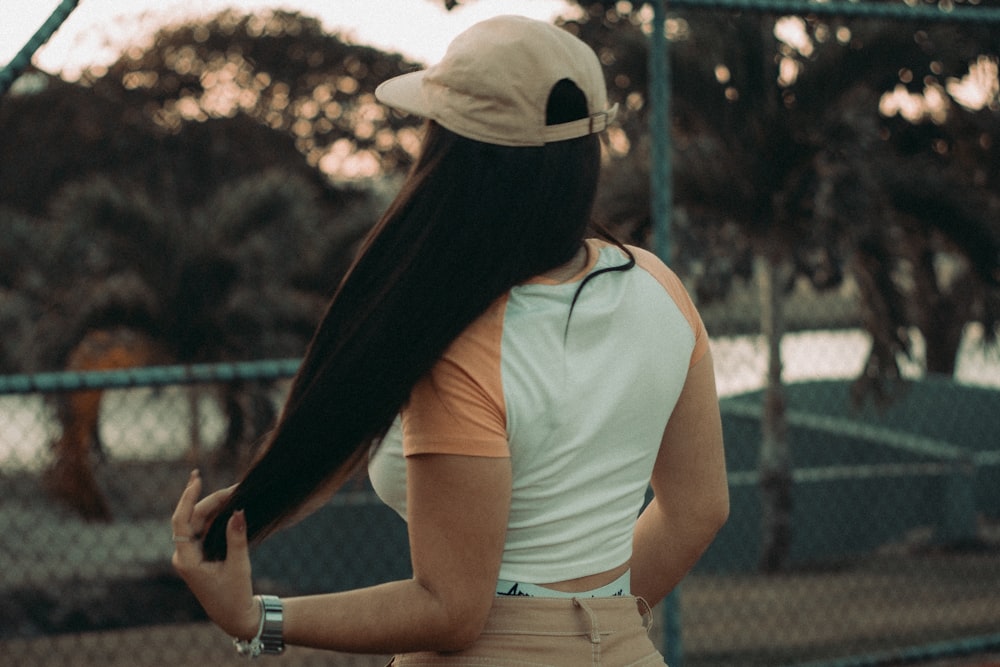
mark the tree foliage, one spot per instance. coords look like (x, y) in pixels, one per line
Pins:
(162, 188)
(789, 140)
(204, 103)
(284, 71)
(174, 209)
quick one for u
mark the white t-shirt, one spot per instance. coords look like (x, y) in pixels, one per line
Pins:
(580, 413)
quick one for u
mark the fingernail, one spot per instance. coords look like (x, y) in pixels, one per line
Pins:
(239, 521)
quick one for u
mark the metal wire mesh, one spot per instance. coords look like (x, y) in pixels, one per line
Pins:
(896, 535)
(80, 591)
(895, 548)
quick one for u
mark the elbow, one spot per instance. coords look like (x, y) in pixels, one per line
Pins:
(715, 515)
(721, 512)
(707, 519)
(719, 518)
(457, 623)
(703, 526)
(462, 632)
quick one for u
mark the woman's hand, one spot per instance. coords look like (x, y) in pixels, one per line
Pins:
(224, 589)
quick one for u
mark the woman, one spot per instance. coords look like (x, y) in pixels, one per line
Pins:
(542, 383)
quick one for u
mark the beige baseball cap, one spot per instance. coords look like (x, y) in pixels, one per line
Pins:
(494, 81)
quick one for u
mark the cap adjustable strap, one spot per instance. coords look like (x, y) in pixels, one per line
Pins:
(597, 122)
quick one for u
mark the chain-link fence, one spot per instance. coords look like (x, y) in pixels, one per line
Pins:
(893, 556)
(895, 536)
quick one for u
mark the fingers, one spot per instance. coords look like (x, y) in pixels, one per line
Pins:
(236, 536)
(208, 507)
(224, 589)
(191, 516)
(237, 564)
(180, 522)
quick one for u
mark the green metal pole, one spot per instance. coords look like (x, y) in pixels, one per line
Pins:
(661, 200)
(20, 62)
(661, 190)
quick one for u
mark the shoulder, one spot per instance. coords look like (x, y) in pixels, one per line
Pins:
(647, 262)
(671, 283)
(653, 265)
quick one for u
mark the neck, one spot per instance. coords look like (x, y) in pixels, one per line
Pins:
(570, 268)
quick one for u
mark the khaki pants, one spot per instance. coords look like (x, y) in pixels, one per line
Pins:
(550, 632)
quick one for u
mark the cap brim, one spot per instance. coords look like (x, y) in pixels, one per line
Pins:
(404, 92)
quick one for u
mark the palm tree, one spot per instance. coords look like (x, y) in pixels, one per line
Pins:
(160, 232)
(136, 283)
(22, 280)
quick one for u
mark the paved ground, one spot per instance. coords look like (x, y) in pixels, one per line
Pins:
(200, 645)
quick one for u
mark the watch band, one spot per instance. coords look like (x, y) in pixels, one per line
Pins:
(271, 639)
(269, 633)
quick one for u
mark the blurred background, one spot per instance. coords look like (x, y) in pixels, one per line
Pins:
(182, 186)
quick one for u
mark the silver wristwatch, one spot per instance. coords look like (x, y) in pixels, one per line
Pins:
(269, 634)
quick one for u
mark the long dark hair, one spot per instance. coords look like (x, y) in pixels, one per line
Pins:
(471, 221)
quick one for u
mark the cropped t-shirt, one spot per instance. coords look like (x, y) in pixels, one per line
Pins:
(579, 411)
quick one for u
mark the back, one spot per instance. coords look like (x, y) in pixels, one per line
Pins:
(580, 411)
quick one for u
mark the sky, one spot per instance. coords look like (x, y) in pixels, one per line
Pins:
(97, 30)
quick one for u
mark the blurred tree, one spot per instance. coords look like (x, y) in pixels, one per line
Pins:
(130, 283)
(284, 71)
(22, 288)
(180, 207)
(203, 166)
(778, 145)
(205, 103)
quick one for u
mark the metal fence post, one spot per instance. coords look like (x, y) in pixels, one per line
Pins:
(22, 59)
(673, 646)
(661, 187)
(660, 202)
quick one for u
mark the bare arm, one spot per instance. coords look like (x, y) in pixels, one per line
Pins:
(691, 493)
(457, 509)
(457, 517)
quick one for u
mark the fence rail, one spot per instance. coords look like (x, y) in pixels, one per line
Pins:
(152, 376)
(905, 12)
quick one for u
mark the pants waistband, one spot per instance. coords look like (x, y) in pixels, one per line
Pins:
(520, 615)
(617, 588)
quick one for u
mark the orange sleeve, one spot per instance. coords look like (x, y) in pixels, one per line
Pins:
(675, 288)
(458, 408)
